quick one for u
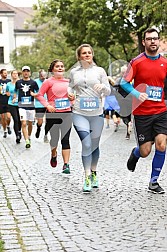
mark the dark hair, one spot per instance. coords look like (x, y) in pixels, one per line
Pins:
(52, 64)
(2, 70)
(78, 50)
(41, 70)
(150, 30)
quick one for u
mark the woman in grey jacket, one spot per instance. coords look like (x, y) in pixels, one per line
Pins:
(87, 84)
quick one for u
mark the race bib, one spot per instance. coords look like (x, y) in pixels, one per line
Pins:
(62, 103)
(3, 90)
(89, 103)
(26, 100)
(154, 93)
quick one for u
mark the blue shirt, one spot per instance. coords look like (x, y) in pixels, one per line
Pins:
(37, 103)
(10, 87)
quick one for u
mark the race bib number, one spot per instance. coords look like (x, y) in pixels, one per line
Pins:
(62, 103)
(89, 103)
(26, 100)
(154, 93)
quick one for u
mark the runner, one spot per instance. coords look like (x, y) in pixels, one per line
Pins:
(148, 70)
(25, 87)
(13, 105)
(4, 108)
(58, 116)
(87, 83)
(39, 108)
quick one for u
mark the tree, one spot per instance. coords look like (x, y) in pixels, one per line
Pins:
(116, 26)
(49, 44)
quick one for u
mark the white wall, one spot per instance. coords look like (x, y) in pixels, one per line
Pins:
(10, 41)
(7, 36)
(24, 39)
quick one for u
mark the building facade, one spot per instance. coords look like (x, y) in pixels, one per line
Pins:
(13, 31)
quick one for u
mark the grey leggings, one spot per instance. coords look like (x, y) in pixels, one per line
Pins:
(89, 129)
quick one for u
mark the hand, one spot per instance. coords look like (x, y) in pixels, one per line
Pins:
(33, 94)
(51, 109)
(14, 99)
(71, 96)
(98, 87)
(143, 97)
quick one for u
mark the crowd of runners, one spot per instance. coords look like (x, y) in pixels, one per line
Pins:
(83, 100)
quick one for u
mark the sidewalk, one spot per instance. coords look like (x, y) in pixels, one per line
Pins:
(43, 210)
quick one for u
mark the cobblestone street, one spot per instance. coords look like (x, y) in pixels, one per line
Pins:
(43, 210)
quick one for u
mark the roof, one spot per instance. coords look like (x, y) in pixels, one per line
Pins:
(21, 15)
(5, 7)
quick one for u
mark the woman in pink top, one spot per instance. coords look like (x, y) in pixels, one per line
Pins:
(58, 116)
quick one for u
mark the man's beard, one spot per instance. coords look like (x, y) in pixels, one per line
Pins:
(152, 51)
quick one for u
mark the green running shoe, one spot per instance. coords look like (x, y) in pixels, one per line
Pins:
(87, 185)
(66, 169)
(94, 180)
(28, 144)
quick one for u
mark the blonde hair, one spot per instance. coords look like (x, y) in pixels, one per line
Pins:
(78, 50)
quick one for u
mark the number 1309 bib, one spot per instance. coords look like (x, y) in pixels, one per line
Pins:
(89, 103)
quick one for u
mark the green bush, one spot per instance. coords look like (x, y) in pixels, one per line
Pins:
(1, 245)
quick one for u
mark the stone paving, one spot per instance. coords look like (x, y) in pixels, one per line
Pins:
(42, 209)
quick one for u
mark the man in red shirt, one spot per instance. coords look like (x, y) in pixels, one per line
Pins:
(148, 72)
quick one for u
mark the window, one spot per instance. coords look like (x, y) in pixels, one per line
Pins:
(0, 27)
(1, 55)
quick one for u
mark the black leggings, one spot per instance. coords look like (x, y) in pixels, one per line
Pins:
(16, 118)
(126, 119)
(56, 123)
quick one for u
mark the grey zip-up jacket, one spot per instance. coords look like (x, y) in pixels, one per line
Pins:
(82, 81)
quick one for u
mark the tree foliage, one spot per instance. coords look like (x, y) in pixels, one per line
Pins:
(49, 44)
(114, 29)
(116, 26)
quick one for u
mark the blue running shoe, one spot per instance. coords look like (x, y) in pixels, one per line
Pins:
(87, 185)
(94, 180)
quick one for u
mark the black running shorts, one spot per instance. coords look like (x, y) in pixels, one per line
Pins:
(147, 127)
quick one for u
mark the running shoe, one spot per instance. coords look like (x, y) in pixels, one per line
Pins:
(46, 139)
(108, 126)
(155, 188)
(28, 144)
(18, 139)
(5, 134)
(116, 127)
(38, 132)
(9, 130)
(66, 169)
(87, 185)
(53, 161)
(127, 136)
(132, 161)
(94, 180)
